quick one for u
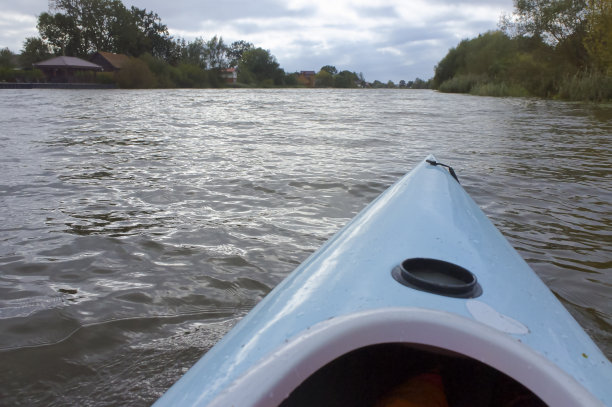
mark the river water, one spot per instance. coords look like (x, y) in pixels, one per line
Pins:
(136, 227)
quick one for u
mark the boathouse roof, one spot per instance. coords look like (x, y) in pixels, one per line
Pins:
(67, 62)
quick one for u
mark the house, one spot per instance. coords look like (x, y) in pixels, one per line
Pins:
(108, 61)
(307, 78)
(68, 70)
(229, 75)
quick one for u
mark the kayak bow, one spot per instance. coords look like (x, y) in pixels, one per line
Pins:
(420, 275)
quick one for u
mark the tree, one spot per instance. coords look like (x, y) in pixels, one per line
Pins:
(324, 79)
(61, 33)
(598, 39)
(330, 68)
(216, 53)
(236, 50)
(553, 20)
(86, 26)
(194, 53)
(34, 50)
(258, 66)
(6, 58)
(158, 40)
(346, 79)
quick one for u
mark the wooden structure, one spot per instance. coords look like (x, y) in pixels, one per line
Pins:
(109, 62)
(68, 70)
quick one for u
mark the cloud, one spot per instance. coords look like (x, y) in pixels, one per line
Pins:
(384, 39)
(15, 27)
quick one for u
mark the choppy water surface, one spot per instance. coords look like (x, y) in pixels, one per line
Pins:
(138, 226)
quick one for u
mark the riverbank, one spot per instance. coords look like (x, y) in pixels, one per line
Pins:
(15, 85)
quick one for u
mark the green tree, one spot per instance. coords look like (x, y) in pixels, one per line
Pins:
(194, 53)
(553, 20)
(34, 50)
(6, 58)
(259, 66)
(236, 50)
(81, 27)
(216, 53)
(61, 33)
(330, 68)
(598, 39)
(560, 23)
(324, 79)
(346, 79)
(158, 40)
(292, 79)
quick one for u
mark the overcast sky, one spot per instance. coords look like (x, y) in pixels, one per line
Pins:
(383, 39)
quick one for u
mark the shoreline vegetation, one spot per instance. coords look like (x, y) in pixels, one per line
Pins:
(560, 49)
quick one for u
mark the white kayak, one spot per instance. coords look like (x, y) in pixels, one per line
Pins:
(419, 284)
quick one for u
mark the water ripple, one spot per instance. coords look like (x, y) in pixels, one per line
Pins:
(138, 226)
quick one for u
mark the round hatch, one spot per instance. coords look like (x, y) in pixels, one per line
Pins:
(437, 277)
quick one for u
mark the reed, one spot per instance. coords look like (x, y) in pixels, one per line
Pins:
(460, 83)
(501, 89)
(586, 86)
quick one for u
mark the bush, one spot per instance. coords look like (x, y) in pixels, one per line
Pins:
(7, 74)
(136, 75)
(105, 78)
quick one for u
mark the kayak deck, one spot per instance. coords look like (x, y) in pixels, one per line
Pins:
(347, 296)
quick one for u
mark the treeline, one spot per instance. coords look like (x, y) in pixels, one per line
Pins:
(547, 48)
(157, 60)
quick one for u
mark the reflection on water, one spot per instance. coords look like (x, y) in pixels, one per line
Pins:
(137, 227)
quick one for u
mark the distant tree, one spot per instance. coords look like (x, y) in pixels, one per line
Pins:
(324, 79)
(329, 68)
(6, 58)
(236, 50)
(402, 83)
(391, 85)
(598, 39)
(34, 50)
(82, 27)
(153, 34)
(421, 84)
(216, 53)
(346, 79)
(194, 53)
(258, 66)
(292, 79)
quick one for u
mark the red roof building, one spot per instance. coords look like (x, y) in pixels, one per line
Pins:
(229, 75)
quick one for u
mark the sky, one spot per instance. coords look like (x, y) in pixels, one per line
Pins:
(383, 39)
